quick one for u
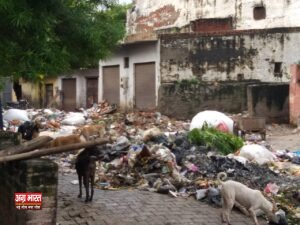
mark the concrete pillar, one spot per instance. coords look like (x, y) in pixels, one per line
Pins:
(295, 94)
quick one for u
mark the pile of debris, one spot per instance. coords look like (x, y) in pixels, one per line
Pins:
(152, 152)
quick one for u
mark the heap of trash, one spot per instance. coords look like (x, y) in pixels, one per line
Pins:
(153, 152)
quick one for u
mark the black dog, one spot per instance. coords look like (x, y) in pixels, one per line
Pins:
(85, 166)
(28, 130)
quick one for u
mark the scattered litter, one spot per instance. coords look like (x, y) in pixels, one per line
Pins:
(200, 194)
(74, 119)
(151, 134)
(74, 182)
(271, 188)
(150, 151)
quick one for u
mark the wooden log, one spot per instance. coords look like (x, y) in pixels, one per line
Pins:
(26, 146)
(51, 151)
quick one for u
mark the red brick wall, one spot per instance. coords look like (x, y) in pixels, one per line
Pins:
(211, 25)
(146, 25)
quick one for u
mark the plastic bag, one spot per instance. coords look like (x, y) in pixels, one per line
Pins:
(200, 194)
(15, 114)
(132, 154)
(257, 153)
(214, 119)
(121, 143)
(74, 119)
(191, 166)
(271, 188)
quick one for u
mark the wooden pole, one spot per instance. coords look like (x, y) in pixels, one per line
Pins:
(50, 151)
(1, 116)
(26, 146)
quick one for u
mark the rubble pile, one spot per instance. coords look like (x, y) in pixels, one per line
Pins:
(152, 152)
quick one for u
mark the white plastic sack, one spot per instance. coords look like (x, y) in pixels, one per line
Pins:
(15, 114)
(257, 153)
(213, 119)
(74, 119)
(48, 112)
(241, 159)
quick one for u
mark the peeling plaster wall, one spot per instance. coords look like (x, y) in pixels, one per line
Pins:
(150, 15)
(236, 56)
(143, 52)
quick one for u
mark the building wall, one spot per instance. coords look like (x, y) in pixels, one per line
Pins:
(138, 53)
(151, 15)
(80, 76)
(80, 88)
(263, 102)
(31, 92)
(263, 55)
(55, 94)
(35, 92)
(184, 99)
(6, 90)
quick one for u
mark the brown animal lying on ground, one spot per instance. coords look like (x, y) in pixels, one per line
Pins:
(247, 199)
(90, 131)
(64, 140)
(85, 166)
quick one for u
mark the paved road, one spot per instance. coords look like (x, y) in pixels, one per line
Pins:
(134, 207)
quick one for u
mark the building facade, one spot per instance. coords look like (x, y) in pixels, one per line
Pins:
(206, 41)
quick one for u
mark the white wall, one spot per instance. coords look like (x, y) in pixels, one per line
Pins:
(138, 53)
(279, 13)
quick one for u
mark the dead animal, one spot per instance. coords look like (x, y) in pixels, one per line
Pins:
(85, 166)
(248, 200)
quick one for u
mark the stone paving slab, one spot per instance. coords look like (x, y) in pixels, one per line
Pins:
(134, 207)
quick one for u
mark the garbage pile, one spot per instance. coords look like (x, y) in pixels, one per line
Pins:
(153, 152)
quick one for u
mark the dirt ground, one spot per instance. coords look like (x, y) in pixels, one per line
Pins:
(283, 136)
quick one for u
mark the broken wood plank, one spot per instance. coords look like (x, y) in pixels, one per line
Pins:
(26, 146)
(51, 151)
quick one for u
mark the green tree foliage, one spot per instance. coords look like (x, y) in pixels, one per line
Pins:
(53, 36)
